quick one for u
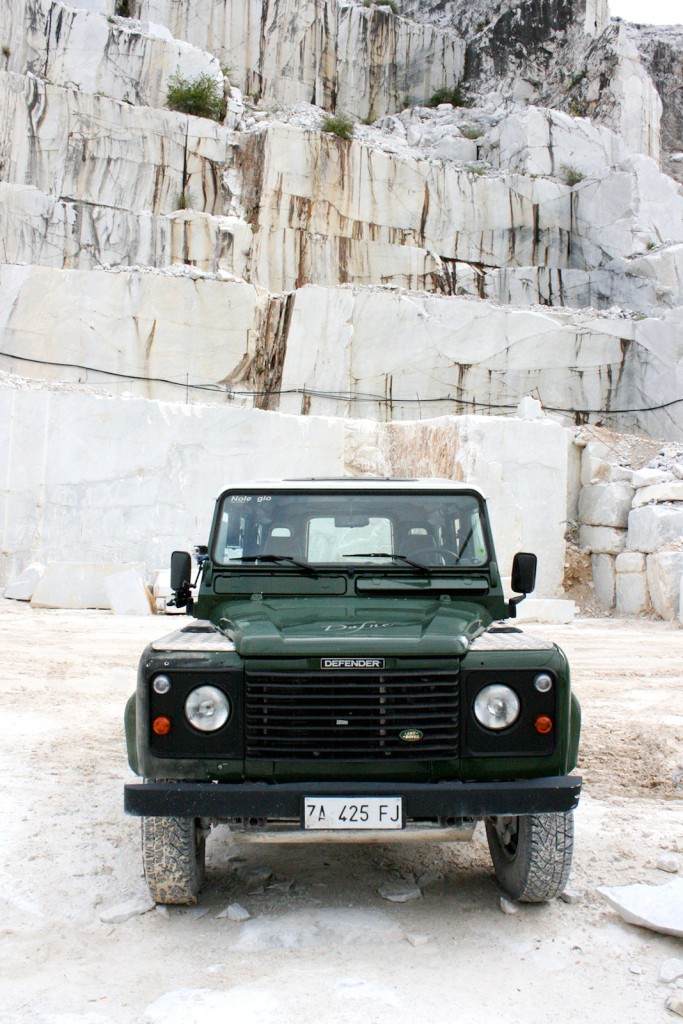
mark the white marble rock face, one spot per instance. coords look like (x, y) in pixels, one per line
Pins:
(68, 490)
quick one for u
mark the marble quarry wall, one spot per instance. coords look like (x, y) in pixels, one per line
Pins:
(383, 355)
(395, 293)
(92, 478)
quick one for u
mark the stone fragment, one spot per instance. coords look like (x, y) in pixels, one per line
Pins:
(417, 940)
(669, 862)
(124, 911)
(280, 885)
(127, 593)
(671, 970)
(648, 476)
(630, 561)
(399, 892)
(604, 579)
(254, 876)
(571, 896)
(657, 907)
(606, 540)
(664, 572)
(631, 592)
(605, 504)
(530, 409)
(507, 906)
(546, 609)
(651, 527)
(23, 587)
(675, 1004)
(234, 912)
(77, 584)
(659, 492)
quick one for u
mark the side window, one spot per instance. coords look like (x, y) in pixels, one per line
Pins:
(230, 536)
(471, 543)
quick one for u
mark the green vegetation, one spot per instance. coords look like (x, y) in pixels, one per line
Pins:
(123, 9)
(577, 108)
(339, 125)
(183, 201)
(445, 95)
(571, 175)
(199, 96)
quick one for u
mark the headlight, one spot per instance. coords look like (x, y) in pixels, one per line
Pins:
(207, 708)
(496, 706)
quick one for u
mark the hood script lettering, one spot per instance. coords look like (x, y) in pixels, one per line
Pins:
(356, 627)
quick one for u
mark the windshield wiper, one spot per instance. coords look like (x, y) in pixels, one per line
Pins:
(278, 558)
(397, 558)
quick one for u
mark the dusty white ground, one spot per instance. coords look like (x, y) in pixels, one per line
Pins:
(328, 948)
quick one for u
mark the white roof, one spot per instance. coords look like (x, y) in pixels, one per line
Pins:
(356, 484)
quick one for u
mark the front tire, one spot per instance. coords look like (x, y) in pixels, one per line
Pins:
(173, 851)
(532, 854)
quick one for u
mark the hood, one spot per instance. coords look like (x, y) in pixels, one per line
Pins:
(312, 626)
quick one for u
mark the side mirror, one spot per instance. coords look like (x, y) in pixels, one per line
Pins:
(523, 572)
(181, 577)
(523, 578)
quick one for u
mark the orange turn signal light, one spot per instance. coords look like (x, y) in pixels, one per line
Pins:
(543, 724)
(161, 725)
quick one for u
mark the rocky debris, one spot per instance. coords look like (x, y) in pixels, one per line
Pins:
(507, 906)
(670, 862)
(124, 911)
(571, 896)
(659, 908)
(671, 970)
(234, 912)
(415, 939)
(399, 891)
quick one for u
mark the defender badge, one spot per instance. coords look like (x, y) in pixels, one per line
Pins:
(411, 735)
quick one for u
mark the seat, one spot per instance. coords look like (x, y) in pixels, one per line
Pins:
(280, 541)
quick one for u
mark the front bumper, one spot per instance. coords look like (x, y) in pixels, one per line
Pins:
(284, 801)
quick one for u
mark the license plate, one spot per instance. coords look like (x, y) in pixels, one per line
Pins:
(338, 812)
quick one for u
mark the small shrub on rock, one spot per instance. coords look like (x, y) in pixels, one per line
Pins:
(199, 96)
(339, 125)
(445, 95)
(571, 175)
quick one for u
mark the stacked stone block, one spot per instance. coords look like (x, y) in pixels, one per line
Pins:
(632, 523)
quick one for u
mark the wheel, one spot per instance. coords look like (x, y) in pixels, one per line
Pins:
(532, 854)
(173, 858)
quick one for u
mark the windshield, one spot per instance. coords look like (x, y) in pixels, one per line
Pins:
(346, 529)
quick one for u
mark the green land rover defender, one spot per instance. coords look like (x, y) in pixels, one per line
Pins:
(349, 675)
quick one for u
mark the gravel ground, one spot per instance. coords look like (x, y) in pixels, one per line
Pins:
(321, 944)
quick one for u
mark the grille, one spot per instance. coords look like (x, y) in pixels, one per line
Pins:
(346, 717)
